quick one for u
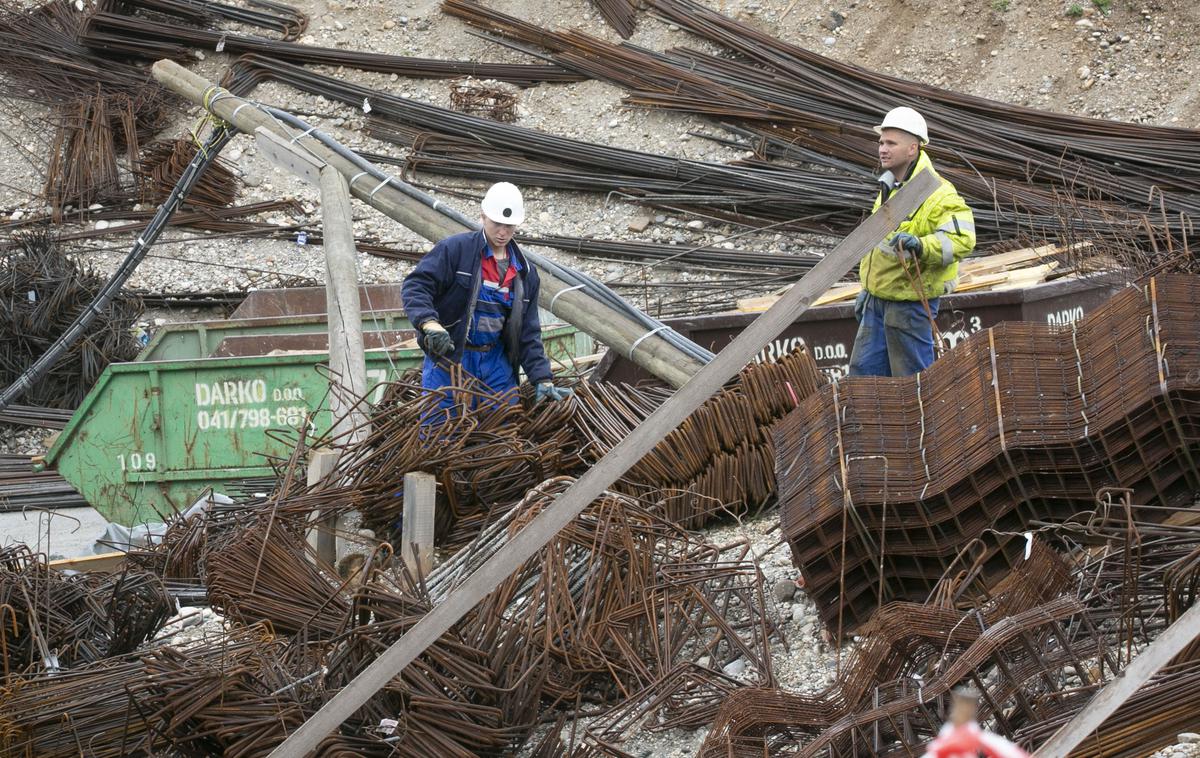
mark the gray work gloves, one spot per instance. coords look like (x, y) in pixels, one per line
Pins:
(547, 391)
(905, 243)
(437, 339)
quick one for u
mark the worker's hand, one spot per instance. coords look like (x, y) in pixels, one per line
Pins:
(547, 391)
(437, 339)
(905, 243)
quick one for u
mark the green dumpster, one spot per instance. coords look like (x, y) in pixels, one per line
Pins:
(153, 435)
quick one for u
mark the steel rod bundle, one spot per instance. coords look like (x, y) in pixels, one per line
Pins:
(93, 710)
(620, 15)
(26, 489)
(41, 292)
(52, 621)
(289, 21)
(83, 162)
(1113, 591)
(615, 607)
(721, 457)
(162, 163)
(45, 62)
(116, 33)
(259, 570)
(1029, 645)
(1003, 157)
(883, 481)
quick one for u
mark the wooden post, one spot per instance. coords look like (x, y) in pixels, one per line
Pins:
(416, 526)
(322, 535)
(567, 506)
(347, 361)
(611, 327)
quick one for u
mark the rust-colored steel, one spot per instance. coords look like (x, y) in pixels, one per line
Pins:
(883, 481)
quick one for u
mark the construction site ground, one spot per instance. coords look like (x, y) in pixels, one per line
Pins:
(1118, 60)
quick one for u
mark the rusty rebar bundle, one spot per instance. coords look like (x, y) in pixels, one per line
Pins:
(162, 163)
(51, 621)
(483, 99)
(721, 458)
(41, 291)
(1011, 160)
(883, 481)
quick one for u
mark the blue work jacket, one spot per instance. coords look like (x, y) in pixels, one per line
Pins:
(444, 287)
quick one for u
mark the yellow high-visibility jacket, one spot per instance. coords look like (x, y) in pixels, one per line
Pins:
(946, 228)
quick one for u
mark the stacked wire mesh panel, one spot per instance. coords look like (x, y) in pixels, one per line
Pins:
(886, 484)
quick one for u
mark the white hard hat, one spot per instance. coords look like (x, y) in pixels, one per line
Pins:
(503, 204)
(905, 119)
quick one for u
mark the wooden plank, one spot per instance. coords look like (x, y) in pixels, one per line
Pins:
(288, 156)
(608, 469)
(322, 535)
(1091, 717)
(416, 525)
(101, 562)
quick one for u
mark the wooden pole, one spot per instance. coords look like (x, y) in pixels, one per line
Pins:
(416, 525)
(322, 534)
(347, 361)
(614, 329)
(608, 469)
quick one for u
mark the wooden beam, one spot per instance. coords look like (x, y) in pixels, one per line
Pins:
(1174, 639)
(608, 469)
(416, 525)
(101, 562)
(322, 535)
(347, 361)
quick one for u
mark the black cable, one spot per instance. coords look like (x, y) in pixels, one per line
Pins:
(221, 135)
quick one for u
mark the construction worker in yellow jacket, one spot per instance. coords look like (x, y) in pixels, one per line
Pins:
(903, 278)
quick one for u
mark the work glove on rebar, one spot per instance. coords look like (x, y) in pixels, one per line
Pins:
(547, 391)
(907, 244)
(437, 339)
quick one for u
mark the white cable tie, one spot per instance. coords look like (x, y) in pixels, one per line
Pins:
(638, 341)
(366, 106)
(220, 44)
(386, 179)
(141, 241)
(241, 105)
(358, 176)
(554, 299)
(303, 134)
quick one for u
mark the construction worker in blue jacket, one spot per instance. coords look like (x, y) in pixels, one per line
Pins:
(473, 299)
(903, 279)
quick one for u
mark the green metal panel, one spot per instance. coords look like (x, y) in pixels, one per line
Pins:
(199, 339)
(152, 436)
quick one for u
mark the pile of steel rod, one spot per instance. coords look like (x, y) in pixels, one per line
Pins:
(41, 292)
(1021, 164)
(1037, 645)
(881, 480)
(120, 34)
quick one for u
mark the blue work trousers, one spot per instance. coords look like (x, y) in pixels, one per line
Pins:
(895, 337)
(491, 367)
